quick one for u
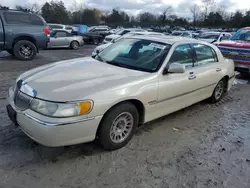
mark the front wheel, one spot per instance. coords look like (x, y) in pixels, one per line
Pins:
(75, 45)
(118, 126)
(219, 91)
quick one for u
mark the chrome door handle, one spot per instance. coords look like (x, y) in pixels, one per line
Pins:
(218, 70)
(191, 77)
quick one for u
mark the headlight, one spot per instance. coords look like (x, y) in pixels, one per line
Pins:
(61, 109)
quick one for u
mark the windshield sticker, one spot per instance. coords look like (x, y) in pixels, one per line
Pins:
(159, 46)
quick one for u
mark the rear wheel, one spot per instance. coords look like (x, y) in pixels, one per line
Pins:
(96, 41)
(219, 91)
(25, 50)
(118, 126)
(75, 45)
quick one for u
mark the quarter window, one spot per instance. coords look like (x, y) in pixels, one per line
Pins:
(205, 55)
(182, 54)
(61, 34)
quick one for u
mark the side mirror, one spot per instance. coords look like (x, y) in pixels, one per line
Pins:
(175, 68)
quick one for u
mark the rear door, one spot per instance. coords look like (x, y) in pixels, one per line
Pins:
(1, 35)
(207, 70)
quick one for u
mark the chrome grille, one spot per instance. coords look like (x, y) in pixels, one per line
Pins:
(239, 50)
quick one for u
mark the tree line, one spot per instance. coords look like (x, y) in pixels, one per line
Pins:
(208, 15)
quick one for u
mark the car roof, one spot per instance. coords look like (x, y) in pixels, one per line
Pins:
(165, 39)
(211, 32)
(61, 30)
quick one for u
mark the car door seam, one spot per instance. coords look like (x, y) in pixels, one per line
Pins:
(176, 96)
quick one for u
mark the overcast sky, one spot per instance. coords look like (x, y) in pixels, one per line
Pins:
(181, 7)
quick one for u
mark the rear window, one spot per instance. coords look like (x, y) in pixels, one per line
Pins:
(22, 18)
(55, 26)
(68, 27)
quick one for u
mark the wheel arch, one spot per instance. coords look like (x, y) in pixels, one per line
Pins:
(24, 37)
(137, 103)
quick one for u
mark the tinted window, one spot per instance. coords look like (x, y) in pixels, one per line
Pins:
(1, 25)
(22, 18)
(226, 37)
(55, 26)
(186, 34)
(68, 27)
(205, 54)
(122, 32)
(209, 36)
(61, 34)
(182, 54)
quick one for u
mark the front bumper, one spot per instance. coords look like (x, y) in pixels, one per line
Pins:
(55, 131)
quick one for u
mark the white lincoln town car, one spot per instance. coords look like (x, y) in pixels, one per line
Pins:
(131, 82)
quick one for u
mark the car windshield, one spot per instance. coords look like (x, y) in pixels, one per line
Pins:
(242, 34)
(137, 54)
(122, 32)
(209, 36)
(176, 33)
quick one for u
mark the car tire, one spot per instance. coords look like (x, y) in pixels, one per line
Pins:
(96, 41)
(118, 126)
(24, 50)
(219, 91)
(74, 45)
(11, 52)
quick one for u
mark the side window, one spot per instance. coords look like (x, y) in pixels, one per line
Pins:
(225, 37)
(16, 18)
(35, 20)
(205, 55)
(1, 27)
(68, 28)
(22, 18)
(182, 54)
(55, 27)
(61, 34)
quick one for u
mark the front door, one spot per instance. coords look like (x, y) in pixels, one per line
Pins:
(176, 90)
(59, 39)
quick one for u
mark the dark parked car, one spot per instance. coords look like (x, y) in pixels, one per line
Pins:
(92, 38)
(100, 31)
(22, 34)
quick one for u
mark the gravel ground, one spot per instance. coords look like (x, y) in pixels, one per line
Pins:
(205, 145)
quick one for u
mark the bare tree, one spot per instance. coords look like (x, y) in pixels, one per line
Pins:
(194, 9)
(34, 7)
(207, 4)
(166, 13)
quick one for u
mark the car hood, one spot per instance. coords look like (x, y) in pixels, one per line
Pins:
(235, 43)
(77, 79)
(113, 36)
(206, 40)
(103, 46)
